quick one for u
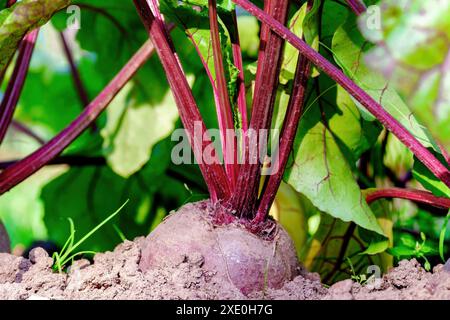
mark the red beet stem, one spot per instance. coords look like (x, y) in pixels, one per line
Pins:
(244, 199)
(213, 172)
(419, 196)
(15, 85)
(422, 153)
(225, 113)
(357, 6)
(288, 132)
(21, 170)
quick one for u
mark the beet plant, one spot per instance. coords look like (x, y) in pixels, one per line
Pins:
(325, 97)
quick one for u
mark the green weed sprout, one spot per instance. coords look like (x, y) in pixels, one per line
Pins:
(66, 254)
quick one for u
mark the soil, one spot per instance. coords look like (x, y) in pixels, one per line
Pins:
(117, 275)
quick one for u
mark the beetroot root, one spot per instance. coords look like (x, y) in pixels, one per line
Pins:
(230, 251)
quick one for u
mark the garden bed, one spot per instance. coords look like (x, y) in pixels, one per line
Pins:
(116, 275)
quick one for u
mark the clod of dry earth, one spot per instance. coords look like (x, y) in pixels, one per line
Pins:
(116, 275)
(4, 239)
(408, 281)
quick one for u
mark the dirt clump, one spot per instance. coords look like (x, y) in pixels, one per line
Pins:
(408, 281)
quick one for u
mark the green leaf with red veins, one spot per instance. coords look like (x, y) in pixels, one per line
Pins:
(412, 50)
(111, 32)
(428, 180)
(326, 154)
(349, 47)
(21, 18)
(291, 54)
(353, 134)
(312, 29)
(320, 171)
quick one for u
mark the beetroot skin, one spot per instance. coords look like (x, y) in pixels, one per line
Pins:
(232, 252)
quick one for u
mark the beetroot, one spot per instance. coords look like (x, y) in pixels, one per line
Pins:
(248, 261)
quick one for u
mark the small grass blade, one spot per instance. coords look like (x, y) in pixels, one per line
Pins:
(90, 233)
(80, 253)
(69, 242)
(66, 254)
(119, 233)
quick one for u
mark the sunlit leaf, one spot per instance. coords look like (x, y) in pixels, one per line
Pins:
(133, 129)
(92, 193)
(24, 16)
(319, 170)
(288, 209)
(349, 47)
(412, 50)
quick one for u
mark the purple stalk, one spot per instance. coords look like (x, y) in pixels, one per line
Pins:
(244, 200)
(73, 161)
(237, 59)
(78, 83)
(422, 153)
(288, 132)
(357, 6)
(213, 172)
(224, 112)
(27, 131)
(82, 93)
(419, 196)
(216, 93)
(15, 85)
(21, 170)
(10, 3)
(293, 115)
